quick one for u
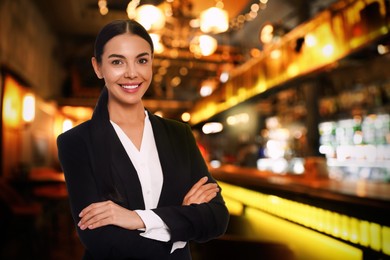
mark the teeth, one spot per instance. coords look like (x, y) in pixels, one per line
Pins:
(130, 86)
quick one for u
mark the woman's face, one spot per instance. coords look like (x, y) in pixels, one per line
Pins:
(126, 68)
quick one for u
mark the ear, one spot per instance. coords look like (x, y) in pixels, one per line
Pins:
(96, 68)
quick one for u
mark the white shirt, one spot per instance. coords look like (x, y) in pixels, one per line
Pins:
(148, 167)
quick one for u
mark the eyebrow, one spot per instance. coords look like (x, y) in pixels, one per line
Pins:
(121, 56)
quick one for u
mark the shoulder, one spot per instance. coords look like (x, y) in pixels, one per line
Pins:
(75, 134)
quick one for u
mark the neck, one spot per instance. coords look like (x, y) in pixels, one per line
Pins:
(126, 115)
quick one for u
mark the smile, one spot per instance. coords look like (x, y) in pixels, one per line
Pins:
(130, 86)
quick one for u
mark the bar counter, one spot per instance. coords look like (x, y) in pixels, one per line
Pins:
(357, 214)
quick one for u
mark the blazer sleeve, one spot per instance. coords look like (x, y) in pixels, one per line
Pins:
(109, 242)
(198, 222)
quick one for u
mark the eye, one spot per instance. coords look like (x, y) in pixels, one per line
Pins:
(143, 61)
(116, 62)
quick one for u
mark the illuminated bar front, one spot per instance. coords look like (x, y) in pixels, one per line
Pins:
(316, 219)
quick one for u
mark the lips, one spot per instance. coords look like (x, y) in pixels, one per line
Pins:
(130, 86)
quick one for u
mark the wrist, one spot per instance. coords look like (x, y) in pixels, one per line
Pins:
(136, 220)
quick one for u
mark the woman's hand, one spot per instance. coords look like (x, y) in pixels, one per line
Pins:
(109, 213)
(201, 192)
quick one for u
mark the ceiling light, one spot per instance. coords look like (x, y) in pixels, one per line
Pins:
(186, 116)
(212, 128)
(206, 90)
(224, 77)
(208, 87)
(175, 81)
(383, 49)
(272, 33)
(310, 40)
(328, 50)
(103, 7)
(28, 108)
(66, 125)
(131, 9)
(151, 17)
(266, 33)
(183, 71)
(276, 54)
(214, 20)
(158, 46)
(204, 45)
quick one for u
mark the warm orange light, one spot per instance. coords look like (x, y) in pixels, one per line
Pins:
(214, 20)
(12, 105)
(158, 46)
(159, 113)
(77, 113)
(203, 45)
(276, 54)
(103, 9)
(212, 128)
(328, 50)
(28, 108)
(267, 33)
(66, 125)
(310, 40)
(207, 87)
(186, 116)
(150, 16)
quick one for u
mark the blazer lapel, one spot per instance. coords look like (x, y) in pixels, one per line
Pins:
(167, 160)
(100, 146)
(125, 174)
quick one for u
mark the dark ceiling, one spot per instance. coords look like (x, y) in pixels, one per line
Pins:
(76, 23)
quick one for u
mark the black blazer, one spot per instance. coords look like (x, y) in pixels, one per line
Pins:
(97, 168)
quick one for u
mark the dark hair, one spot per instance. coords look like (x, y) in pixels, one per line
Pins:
(119, 27)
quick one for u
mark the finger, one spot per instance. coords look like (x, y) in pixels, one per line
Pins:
(99, 217)
(203, 196)
(94, 213)
(100, 220)
(91, 221)
(210, 196)
(207, 195)
(118, 216)
(197, 185)
(92, 207)
(204, 188)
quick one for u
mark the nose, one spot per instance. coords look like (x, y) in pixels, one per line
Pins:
(131, 71)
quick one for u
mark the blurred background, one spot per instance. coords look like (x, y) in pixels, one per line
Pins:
(288, 100)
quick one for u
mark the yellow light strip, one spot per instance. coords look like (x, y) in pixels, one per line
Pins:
(350, 229)
(304, 243)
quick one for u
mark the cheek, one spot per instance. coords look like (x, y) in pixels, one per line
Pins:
(112, 75)
(148, 73)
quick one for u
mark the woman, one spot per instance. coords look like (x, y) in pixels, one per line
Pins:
(138, 185)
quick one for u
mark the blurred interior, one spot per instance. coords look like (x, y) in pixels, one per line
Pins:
(289, 102)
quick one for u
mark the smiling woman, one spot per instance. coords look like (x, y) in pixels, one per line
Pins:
(138, 184)
(126, 67)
